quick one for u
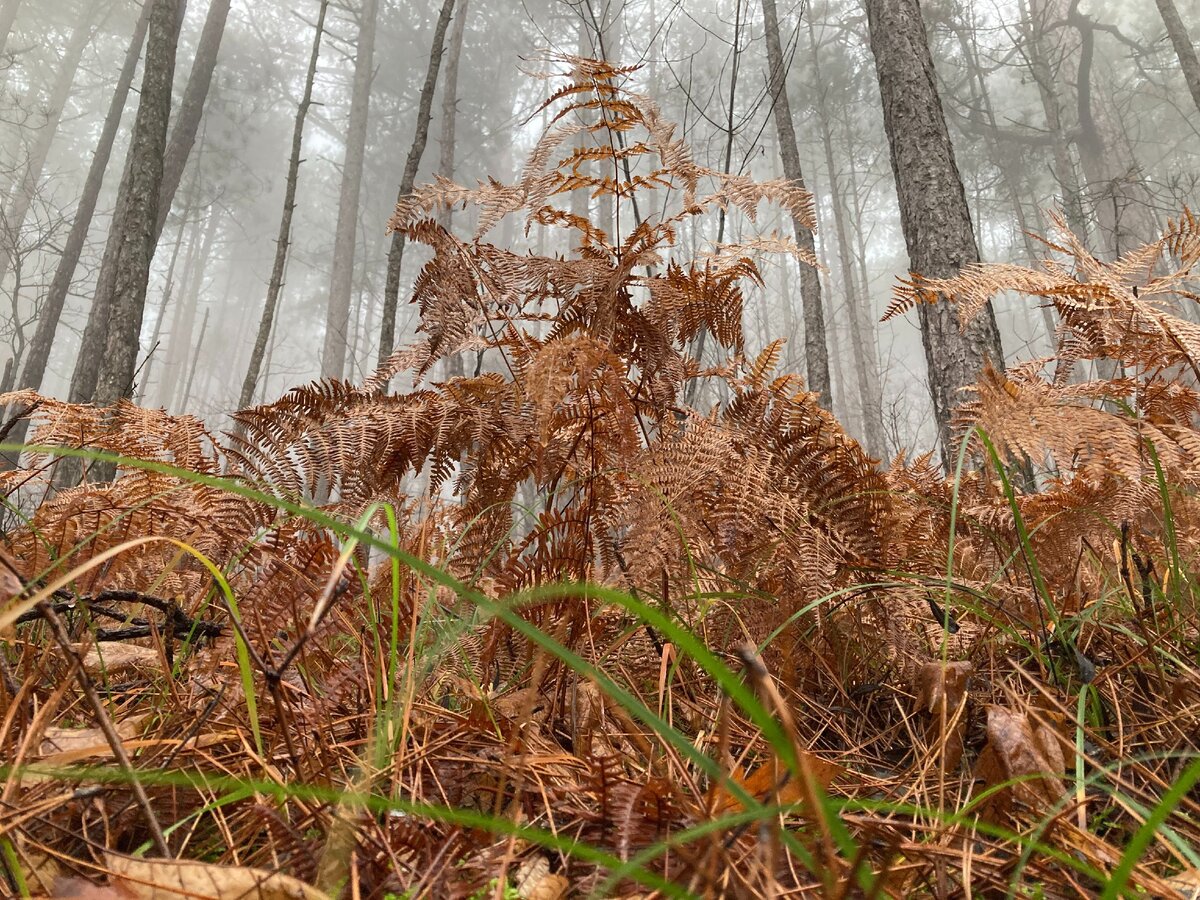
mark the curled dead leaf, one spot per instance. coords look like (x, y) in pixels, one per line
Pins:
(941, 690)
(535, 881)
(166, 879)
(1023, 749)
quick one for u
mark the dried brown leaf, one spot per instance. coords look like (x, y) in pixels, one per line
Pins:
(162, 879)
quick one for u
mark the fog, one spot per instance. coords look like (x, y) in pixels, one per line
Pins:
(1005, 69)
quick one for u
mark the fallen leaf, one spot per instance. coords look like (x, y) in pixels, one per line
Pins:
(166, 879)
(535, 881)
(117, 658)
(10, 587)
(78, 889)
(772, 783)
(1018, 748)
(941, 691)
(63, 745)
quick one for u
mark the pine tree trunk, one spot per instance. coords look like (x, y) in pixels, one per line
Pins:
(283, 240)
(56, 296)
(1183, 47)
(135, 243)
(183, 136)
(191, 108)
(933, 205)
(341, 279)
(391, 289)
(816, 351)
(26, 189)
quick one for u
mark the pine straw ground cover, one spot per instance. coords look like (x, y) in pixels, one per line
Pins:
(616, 646)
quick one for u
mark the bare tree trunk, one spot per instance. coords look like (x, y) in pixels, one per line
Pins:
(56, 297)
(168, 292)
(454, 362)
(187, 388)
(179, 343)
(692, 392)
(135, 243)
(283, 240)
(1121, 200)
(26, 188)
(183, 137)
(337, 315)
(1183, 47)
(1047, 85)
(862, 324)
(816, 351)
(933, 205)
(191, 108)
(966, 40)
(391, 288)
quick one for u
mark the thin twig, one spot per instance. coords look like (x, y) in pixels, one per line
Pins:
(106, 726)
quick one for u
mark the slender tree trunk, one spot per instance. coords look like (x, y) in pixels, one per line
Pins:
(454, 362)
(168, 290)
(862, 322)
(179, 344)
(693, 388)
(1183, 47)
(26, 189)
(998, 153)
(56, 296)
(337, 316)
(816, 352)
(284, 238)
(391, 289)
(187, 388)
(933, 206)
(1121, 202)
(8, 15)
(135, 243)
(1047, 85)
(191, 108)
(175, 154)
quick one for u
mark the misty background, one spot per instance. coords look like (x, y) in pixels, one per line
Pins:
(1074, 106)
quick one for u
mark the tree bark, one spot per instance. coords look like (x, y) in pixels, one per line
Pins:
(337, 316)
(191, 109)
(933, 205)
(135, 242)
(1183, 47)
(391, 289)
(816, 352)
(26, 189)
(862, 322)
(64, 273)
(175, 154)
(283, 240)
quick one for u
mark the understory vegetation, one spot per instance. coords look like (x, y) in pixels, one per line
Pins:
(591, 620)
